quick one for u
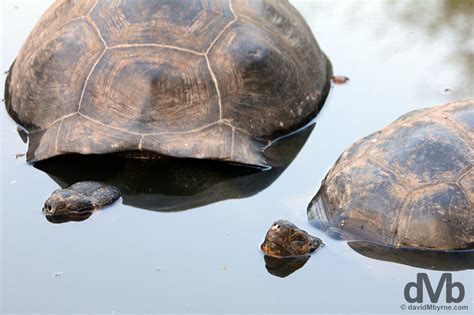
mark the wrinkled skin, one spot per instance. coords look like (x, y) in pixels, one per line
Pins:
(77, 202)
(284, 239)
(66, 201)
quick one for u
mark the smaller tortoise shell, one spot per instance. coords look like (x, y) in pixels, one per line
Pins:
(410, 184)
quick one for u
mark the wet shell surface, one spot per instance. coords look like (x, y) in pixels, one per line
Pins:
(211, 79)
(409, 184)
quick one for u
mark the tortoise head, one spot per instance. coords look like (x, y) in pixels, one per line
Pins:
(284, 239)
(66, 202)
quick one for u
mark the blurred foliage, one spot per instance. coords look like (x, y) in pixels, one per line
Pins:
(442, 17)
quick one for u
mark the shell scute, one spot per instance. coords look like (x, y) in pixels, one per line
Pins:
(423, 152)
(366, 212)
(438, 217)
(189, 24)
(256, 72)
(151, 90)
(53, 75)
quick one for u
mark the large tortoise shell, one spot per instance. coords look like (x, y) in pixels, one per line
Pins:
(211, 79)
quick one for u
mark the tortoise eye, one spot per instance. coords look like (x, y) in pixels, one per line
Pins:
(298, 239)
(275, 226)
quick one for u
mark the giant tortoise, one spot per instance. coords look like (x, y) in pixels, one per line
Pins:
(206, 79)
(409, 185)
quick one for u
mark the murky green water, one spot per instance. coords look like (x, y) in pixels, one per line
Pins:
(400, 55)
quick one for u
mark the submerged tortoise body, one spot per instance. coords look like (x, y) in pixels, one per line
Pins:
(185, 78)
(411, 184)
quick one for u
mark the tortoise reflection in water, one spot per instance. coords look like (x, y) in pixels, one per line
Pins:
(409, 185)
(282, 267)
(433, 259)
(168, 184)
(217, 80)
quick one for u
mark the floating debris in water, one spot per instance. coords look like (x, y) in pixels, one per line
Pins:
(57, 274)
(19, 155)
(340, 79)
(446, 90)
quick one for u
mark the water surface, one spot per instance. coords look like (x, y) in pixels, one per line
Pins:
(399, 56)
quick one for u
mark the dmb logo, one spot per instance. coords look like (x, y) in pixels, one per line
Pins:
(414, 291)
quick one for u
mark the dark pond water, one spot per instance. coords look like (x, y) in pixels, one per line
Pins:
(399, 55)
